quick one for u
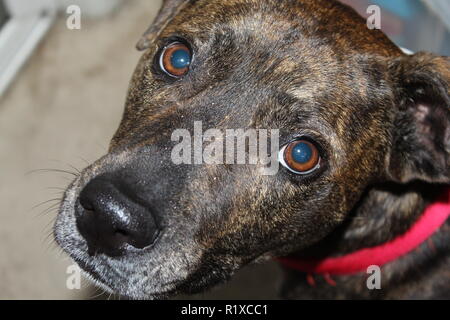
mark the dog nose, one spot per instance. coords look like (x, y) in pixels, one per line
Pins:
(109, 219)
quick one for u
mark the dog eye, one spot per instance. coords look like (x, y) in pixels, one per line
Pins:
(175, 59)
(300, 157)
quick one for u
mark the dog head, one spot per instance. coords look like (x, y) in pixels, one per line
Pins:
(350, 108)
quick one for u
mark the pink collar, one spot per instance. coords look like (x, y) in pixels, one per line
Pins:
(431, 220)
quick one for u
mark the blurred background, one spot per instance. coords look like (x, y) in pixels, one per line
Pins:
(61, 99)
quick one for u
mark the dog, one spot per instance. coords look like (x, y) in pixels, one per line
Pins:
(366, 137)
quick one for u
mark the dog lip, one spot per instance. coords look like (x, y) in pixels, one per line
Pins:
(129, 248)
(89, 269)
(155, 240)
(98, 280)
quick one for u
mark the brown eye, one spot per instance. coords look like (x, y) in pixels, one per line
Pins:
(176, 59)
(300, 156)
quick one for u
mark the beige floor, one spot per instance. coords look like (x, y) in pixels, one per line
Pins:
(64, 107)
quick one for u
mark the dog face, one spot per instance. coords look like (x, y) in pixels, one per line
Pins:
(344, 95)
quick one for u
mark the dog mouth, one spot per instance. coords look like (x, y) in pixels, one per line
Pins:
(128, 276)
(160, 271)
(151, 272)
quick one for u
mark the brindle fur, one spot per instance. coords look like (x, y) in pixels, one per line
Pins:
(305, 67)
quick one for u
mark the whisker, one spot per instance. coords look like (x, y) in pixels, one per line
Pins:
(52, 170)
(56, 188)
(97, 294)
(83, 159)
(74, 168)
(45, 202)
(48, 229)
(58, 193)
(66, 164)
(48, 210)
(48, 240)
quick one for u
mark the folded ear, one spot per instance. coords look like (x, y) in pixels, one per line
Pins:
(169, 9)
(421, 137)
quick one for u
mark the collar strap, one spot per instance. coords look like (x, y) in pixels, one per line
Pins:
(431, 220)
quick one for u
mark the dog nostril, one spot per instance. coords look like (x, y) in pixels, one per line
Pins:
(87, 205)
(122, 236)
(108, 219)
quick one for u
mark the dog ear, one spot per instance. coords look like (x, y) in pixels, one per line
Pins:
(421, 137)
(169, 9)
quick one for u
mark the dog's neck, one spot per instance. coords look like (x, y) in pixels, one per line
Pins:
(383, 213)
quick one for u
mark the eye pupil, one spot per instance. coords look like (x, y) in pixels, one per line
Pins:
(180, 59)
(176, 59)
(302, 152)
(300, 156)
